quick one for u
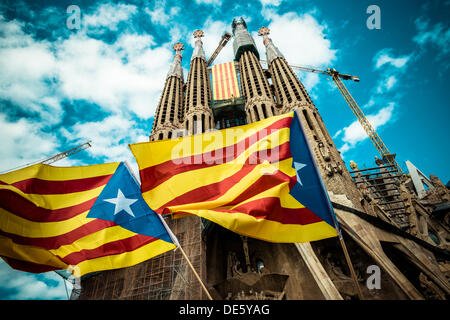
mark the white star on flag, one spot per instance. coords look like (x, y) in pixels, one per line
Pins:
(298, 166)
(122, 203)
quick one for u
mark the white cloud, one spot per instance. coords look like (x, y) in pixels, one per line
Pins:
(26, 286)
(355, 133)
(314, 49)
(383, 57)
(211, 2)
(127, 75)
(109, 16)
(23, 142)
(274, 3)
(110, 138)
(158, 15)
(27, 76)
(386, 85)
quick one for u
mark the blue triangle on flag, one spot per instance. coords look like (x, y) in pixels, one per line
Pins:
(308, 190)
(121, 202)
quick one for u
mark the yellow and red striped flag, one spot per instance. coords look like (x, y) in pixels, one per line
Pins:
(257, 180)
(224, 81)
(83, 219)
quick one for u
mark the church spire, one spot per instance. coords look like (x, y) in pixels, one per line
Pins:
(198, 49)
(272, 52)
(175, 69)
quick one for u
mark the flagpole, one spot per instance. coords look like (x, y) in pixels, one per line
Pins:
(177, 243)
(336, 225)
(175, 240)
(195, 273)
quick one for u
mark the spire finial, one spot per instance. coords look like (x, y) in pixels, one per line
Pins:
(263, 31)
(178, 46)
(198, 34)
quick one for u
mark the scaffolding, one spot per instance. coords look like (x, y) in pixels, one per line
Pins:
(165, 277)
(383, 184)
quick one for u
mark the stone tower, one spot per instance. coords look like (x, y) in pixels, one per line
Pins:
(291, 95)
(254, 85)
(197, 115)
(170, 108)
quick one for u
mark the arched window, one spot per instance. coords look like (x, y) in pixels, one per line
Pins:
(263, 107)
(255, 109)
(203, 123)
(194, 123)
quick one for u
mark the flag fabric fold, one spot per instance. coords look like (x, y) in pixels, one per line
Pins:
(257, 180)
(85, 219)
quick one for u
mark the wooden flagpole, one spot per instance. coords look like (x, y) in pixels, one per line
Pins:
(341, 239)
(175, 240)
(195, 273)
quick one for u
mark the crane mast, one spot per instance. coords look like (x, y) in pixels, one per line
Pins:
(225, 38)
(67, 153)
(387, 156)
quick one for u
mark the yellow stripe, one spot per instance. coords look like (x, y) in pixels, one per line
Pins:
(267, 230)
(47, 172)
(235, 80)
(215, 82)
(29, 253)
(94, 240)
(281, 190)
(58, 201)
(126, 259)
(148, 154)
(14, 224)
(190, 180)
(229, 79)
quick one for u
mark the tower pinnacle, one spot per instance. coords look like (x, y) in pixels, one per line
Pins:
(198, 50)
(272, 52)
(176, 69)
(243, 40)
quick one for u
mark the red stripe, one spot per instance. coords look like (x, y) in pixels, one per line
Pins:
(216, 81)
(227, 80)
(28, 266)
(222, 82)
(24, 208)
(39, 186)
(233, 87)
(63, 239)
(271, 209)
(264, 183)
(215, 190)
(110, 248)
(155, 175)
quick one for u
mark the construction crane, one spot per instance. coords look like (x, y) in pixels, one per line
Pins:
(67, 153)
(387, 156)
(54, 158)
(225, 38)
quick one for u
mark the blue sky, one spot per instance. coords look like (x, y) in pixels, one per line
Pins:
(62, 87)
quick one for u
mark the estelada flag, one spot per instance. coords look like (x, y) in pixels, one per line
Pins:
(83, 219)
(258, 180)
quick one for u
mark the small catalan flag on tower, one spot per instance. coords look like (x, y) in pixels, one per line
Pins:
(258, 180)
(82, 219)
